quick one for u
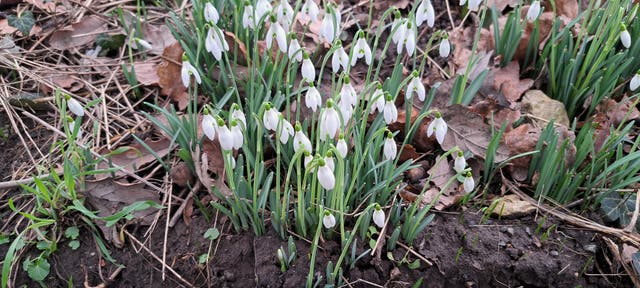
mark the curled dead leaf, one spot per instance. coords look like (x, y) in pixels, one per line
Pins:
(78, 34)
(169, 75)
(135, 156)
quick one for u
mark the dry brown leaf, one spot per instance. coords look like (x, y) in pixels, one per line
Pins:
(619, 111)
(146, 73)
(490, 110)
(159, 37)
(408, 153)
(5, 28)
(214, 156)
(109, 197)
(501, 4)
(181, 174)
(469, 132)
(169, 75)
(78, 34)
(441, 173)
(520, 140)
(507, 80)
(54, 6)
(135, 157)
(567, 8)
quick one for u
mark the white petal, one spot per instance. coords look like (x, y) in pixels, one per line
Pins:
(75, 107)
(474, 4)
(331, 123)
(410, 43)
(208, 127)
(301, 141)
(184, 74)
(327, 30)
(390, 112)
(625, 38)
(421, 13)
(247, 17)
(328, 221)
(307, 160)
(390, 150)
(459, 164)
(308, 71)
(342, 148)
(445, 48)
(238, 138)
(281, 37)
(468, 184)
(313, 99)
(225, 138)
(420, 90)
(295, 51)
(635, 82)
(441, 129)
(378, 218)
(326, 178)
(144, 44)
(430, 128)
(329, 163)
(430, 14)
(210, 13)
(286, 132)
(534, 11)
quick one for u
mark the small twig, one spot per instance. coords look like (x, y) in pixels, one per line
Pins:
(410, 250)
(133, 238)
(183, 205)
(16, 183)
(632, 224)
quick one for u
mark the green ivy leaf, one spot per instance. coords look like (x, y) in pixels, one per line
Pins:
(38, 269)
(212, 234)
(74, 244)
(72, 232)
(414, 265)
(23, 22)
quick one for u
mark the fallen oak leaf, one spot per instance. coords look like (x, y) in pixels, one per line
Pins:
(134, 156)
(169, 73)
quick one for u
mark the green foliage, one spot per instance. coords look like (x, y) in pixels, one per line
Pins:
(23, 22)
(212, 234)
(37, 268)
(507, 43)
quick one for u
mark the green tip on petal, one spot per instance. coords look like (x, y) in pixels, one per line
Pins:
(468, 174)
(311, 84)
(388, 96)
(329, 154)
(623, 27)
(184, 57)
(389, 134)
(321, 162)
(247, 3)
(305, 55)
(220, 122)
(379, 86)
(438, 115)
(67, 97)
(268, 106)
(415, 74)
(378, 207)
(460, 153)
(205, 111)
(298, 127)
(346, 79)
(329, 103)
(338, 43)
(361, 34)
(233, 123)
(327, 213)
(340, 136)
(273, 18)
(306, 153)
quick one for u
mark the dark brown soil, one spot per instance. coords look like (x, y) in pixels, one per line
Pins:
(465, 253)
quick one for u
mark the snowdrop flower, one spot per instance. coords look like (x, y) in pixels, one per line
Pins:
(390, 150)
(362, 49)
(295, 51)
(263, 7)
(474, 5)
(276, 32)
(247, 16)
(390, 112)
(459, 163)
(635, 81)
(346, 110)
(208, 125)
(445, 47)
(238, 115)
(415, 86)
(409, 40)
(312, 99)
(325, 176)
(328, 220)
(329, 28)
(437, 126)
(378, 216)
(307, 69)
(328, 160)
(74, 106)
(143, 43)
(398, 28)
(462, 2)
(271, 117)
(285, 14)
(534, 11)
(348, 93)
(286, 130)
(214, 43)
(425, 12)
(329, 122)
(72, 127)
(211, 13)
(625, 37)
(378, 98)
(468, 183)
(307, 158)
(339, 58)
(342, 146)
(188, 70)
(310, 10)
(225, 137)
(301, 141)
(236, 134)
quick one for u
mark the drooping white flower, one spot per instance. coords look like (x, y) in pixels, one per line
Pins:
(329, 122)
(444, 48)
(339, 58)
(271, 117)
(238, 115)
(459, 163)
(330, 26)
(328, 160)
(72, 128)
(378, 216)
(348, 93)
(439, 127)
(285, 14)
(215, 42)
(346, 110)
(307, 158)
(361, 49)
(329, 221)
(263, 7)
(390, 150)
(325, 176)
(300, 140)
(186, 72)
(625, 37)
(312, 99)
(635, 82)
(295, 51)
(143, 43)
(398, 30)
(211, 13)
(225, 137)
(342, 146)
(378, 98)
(209, 126)
(425, 12)
(307, 69)
(534, 11)
(409, 39)
(247, 17)
(468, 183)
(415, 86)
(276, 32)
(390, 112)
(310, 11)
(286, 130)
(74, 106)
(474, 5)
(236, 134)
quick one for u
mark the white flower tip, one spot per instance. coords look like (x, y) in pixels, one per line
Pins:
(468, 184)
(378, 217)
(329, 221)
